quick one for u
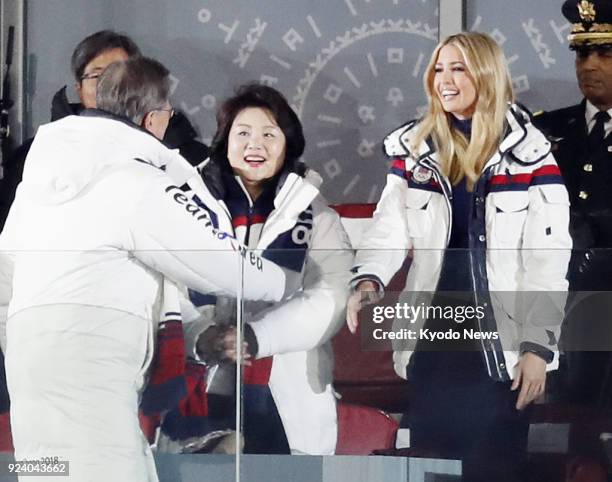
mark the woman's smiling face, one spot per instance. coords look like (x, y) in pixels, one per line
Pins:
(453, 83)
(256, 147)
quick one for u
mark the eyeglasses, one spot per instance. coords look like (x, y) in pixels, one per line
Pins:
(169, 109)
(91, 76)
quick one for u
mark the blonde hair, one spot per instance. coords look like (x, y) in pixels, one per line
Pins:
(486, 64)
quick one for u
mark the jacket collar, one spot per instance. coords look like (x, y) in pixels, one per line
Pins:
(294, 186)
(108, 115)
(293, 196)
(397, 143)
(518, 130)
(291, 186)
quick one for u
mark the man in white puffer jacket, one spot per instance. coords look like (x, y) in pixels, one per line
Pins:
(96, 226)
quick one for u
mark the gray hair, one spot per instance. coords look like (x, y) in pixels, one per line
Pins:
(133, 88)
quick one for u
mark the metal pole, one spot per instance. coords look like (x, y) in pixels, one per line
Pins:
(239, 335)
(451, 18)
(12, 14)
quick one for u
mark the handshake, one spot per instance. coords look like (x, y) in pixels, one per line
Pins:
(218, 344)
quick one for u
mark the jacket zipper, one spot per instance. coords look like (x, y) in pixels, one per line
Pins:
(485, 290)
(474, 281)
(448, 196)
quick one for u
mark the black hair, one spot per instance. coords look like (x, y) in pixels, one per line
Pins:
(97, 43)
(265, 97)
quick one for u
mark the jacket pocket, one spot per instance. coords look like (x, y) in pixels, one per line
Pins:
(509, 217)
(417, 219)
(547, 226)
(555, 194)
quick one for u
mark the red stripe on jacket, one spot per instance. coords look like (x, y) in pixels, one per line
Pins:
(501, 179)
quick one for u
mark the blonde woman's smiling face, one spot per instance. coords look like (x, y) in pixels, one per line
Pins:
(453, 83)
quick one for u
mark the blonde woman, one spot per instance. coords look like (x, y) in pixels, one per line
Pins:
(476, 195)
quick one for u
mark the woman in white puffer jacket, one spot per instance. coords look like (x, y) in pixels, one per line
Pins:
(271, 202)
(475, 193)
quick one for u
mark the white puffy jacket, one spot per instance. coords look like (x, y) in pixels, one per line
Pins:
(96, 230)
(519, 241)
(297, 332)
(96, 221)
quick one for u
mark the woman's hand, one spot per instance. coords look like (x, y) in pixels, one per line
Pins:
(531, 377)
(366, 293)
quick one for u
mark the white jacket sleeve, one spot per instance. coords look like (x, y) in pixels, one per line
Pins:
(172, 234)
(384, 245)
(312, 316)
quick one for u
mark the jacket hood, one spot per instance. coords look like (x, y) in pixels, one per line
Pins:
(72, 153)
(526, 143)
(61, 107)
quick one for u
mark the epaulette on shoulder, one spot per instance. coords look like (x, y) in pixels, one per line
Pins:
(553, 120)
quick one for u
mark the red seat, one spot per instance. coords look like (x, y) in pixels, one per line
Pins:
(361, 430)
(6, 439)
(367, 377)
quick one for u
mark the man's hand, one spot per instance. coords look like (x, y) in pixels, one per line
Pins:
(366, 293)
(531, 377)
(218, 343)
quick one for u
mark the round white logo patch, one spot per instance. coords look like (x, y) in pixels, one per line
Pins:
(422, 175)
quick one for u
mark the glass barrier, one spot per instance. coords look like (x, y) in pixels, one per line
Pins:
(248, 353)
(498, 358)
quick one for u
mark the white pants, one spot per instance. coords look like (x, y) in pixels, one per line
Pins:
(74, 375)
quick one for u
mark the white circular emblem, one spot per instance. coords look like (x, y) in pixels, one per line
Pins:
(421, 175)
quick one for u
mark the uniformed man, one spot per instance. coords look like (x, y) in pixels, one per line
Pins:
(582, 146)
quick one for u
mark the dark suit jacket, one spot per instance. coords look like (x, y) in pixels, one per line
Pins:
(588, 178)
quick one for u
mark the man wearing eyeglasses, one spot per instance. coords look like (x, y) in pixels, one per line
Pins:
(89, 59)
